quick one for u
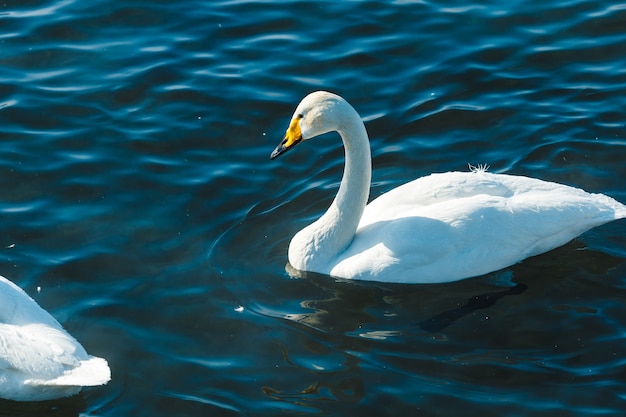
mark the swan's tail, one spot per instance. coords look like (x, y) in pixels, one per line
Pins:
(618, 208)
(90, 372)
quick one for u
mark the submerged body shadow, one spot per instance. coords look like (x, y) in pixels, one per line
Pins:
(440, 321)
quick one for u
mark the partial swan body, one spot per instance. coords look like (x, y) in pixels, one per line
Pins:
(439, 228)
(39, 360)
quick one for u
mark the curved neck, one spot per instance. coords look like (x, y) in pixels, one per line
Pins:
(319, 243)
(355, 184)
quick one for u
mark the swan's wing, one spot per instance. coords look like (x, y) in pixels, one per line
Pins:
(17, 307)
(34, 344)
(49, 356)
(432, 190)
(471, 229)
(39, 350)
(436, 189)
(10, 296)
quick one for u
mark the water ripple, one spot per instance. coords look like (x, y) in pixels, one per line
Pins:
(140, 206)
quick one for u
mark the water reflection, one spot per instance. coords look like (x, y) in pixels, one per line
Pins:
(66, 407)
(444, 319)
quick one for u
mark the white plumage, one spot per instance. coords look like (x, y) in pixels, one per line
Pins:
(39, 360)
(440, 228)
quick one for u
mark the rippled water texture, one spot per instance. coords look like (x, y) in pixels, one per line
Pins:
(137, 193)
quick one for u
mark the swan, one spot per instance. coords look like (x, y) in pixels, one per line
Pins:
(440, 228)
(39, 360)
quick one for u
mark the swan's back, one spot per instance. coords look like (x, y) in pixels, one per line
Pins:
(436, 189)
(39, 360)
(445, 227)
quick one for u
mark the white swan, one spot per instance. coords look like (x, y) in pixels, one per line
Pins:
(439, 228)
(39, 360)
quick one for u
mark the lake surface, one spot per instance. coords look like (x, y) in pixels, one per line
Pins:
(137, 194)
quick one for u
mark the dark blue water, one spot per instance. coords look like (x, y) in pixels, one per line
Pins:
(137, 193)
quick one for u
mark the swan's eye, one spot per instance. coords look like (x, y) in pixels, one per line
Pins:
(299, 116)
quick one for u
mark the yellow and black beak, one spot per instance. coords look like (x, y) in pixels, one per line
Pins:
(293, 136)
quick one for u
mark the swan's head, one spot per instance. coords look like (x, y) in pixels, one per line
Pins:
(318, 113)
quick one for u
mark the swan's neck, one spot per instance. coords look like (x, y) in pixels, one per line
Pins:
(315, 247)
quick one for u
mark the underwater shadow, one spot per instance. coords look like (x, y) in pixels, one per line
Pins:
(359, 300)
(65, 407)
(440, 321)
